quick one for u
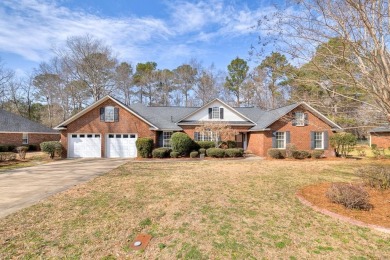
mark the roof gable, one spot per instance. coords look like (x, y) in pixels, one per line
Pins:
(97, 103)
(230, 114)
(12, 123)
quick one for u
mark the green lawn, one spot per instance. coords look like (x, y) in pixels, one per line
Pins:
(194, 210)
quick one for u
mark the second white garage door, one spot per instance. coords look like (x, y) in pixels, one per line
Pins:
(121, 145)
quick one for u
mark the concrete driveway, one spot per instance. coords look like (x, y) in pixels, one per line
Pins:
(21, 188)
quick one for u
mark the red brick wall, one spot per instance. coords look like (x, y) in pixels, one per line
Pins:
(90, 123)
(381, 139)
(33, 138)
(299, 135)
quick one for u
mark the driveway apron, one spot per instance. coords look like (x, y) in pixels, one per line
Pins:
(21, 188)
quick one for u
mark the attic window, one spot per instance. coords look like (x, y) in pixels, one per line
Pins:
(215, 112)
(109, 114)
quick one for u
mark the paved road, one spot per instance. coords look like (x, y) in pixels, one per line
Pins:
(24, 187)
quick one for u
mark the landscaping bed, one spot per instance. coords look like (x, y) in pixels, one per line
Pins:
(378, 215)
(32, 158)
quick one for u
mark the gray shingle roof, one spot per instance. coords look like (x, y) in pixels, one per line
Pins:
(164, 118)
(381, 129)
(10, 122)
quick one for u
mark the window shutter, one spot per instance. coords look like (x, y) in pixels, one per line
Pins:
(294, 121)
(306, 115)
(287, 137)
(273, 139)
(326, 140)
(210, 113)
(312, 140)
(102, 114)
(221, 113)
(116, 114)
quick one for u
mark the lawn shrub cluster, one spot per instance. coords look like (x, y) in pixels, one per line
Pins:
(317, 154)
(161, 152)
(275, 153)
(174, 154)
(351, 196)
(144, 146)
(22, 150)
(194, 154)
(182, 143)
(206, 144)
(51, 147)
(7, 148)
(300, 154)
(375, 176)
(7, 156)
(234, 152)
(215, 152)
(202, 151)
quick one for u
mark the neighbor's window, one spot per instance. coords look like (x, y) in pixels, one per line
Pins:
(215, 113)
(109, 114)
(318, 140)
(204, 136)
(299, 119)
(167, 139)
(280, 140)
(25, 138)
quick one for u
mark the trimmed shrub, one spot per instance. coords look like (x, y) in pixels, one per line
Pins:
(234, 152)
(22, 150)
(51, 148)
(3, 148)
(349, 195)
(202, 151)
(231, 143)
(11, 148)
(144, 146)
(215, 152)
(290, 148)
(33, 147)
(7, 156)
(161, 152)
(174, 154)
(194, 154)
(317, 154)
(375, 176)
(206, 144)
(275, 153)
(182, 143)
(300, 154)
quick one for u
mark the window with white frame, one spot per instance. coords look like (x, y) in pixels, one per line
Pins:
(167, 139)
(280, 140)
(215, 113)
(299, 119)
(25, 138)
(318, 140)
(204, 136)
(109, 114)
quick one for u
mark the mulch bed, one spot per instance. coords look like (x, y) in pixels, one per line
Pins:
(379, 215)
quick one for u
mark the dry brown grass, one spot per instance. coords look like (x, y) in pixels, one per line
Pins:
(32, 159)
(194, 210)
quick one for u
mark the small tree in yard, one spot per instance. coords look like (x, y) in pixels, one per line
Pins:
(219, 131)
(51, 148)
(343, 143)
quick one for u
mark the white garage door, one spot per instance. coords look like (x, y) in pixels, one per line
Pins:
(121, 145)
(84, 145)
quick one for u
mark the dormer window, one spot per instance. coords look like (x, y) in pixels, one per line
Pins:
(216, 113)
(109, 114)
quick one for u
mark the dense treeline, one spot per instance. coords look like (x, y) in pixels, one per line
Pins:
(85, 70)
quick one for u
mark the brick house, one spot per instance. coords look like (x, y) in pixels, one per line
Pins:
(380, 136)
(108, 128)
(17, 130)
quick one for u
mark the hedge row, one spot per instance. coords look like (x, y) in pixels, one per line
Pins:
(296, 154)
